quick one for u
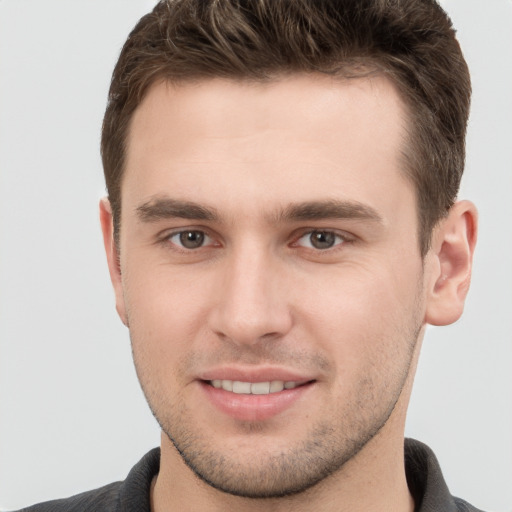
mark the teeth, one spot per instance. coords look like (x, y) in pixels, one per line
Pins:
(276, 386)
(253, 388)
(227, 385)
(242, 388)
(260, 388)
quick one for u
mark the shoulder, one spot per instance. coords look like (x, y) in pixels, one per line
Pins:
(426, 482)
(130, 495)
(464, 506)
(104, 499)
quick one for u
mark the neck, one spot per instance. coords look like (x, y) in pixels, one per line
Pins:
(374, 480)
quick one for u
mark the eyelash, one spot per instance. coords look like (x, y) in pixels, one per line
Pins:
(341, 238)
(166, 239)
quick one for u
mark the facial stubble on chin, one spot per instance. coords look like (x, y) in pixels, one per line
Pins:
(325, 450)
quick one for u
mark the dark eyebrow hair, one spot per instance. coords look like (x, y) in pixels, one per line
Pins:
(167, 208)
(159, 208)
(330, 209)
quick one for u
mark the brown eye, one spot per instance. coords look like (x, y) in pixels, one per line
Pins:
(191, 239)
(320, 240)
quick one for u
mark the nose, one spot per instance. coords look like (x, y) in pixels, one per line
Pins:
(252, 302)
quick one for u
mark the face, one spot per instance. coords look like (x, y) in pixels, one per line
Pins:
(270, 273)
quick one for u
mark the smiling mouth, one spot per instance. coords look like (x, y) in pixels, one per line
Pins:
(254, 388)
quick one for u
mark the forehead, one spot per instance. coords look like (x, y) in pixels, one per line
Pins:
(283, 140)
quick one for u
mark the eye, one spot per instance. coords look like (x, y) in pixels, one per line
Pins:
(320, 240)
(190, 239)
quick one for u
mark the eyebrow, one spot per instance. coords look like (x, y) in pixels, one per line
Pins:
(162, 208)
(330, 209)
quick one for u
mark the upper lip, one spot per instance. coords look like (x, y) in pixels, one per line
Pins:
(261, 374)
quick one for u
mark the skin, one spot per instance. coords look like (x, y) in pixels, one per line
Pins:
(257, 171)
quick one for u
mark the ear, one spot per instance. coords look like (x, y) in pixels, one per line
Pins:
(111, 250)
(451, 260)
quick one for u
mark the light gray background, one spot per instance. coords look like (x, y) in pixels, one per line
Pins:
(72, 416)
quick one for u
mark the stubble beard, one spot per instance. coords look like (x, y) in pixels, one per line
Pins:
(265, 475)
(325, 449)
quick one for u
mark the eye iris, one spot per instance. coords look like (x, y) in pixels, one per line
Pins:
(322, 239)
(192, 239)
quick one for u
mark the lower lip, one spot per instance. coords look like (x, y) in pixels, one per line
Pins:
(254, 407)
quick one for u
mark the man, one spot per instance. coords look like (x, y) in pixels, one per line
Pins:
(281, 226)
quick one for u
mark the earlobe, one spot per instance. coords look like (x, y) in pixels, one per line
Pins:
(111, 251)
(450, 262)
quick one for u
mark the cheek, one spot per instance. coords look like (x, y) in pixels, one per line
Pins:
(366, 316)
(163, 321)
(362, 295)
(165, 309)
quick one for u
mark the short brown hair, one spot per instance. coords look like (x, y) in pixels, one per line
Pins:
(411, 41)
